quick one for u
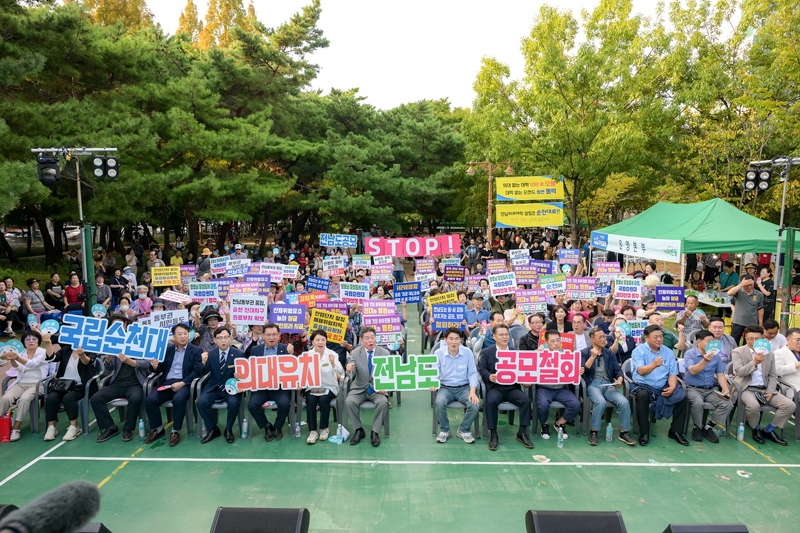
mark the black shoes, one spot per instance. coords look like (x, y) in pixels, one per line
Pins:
(229, 436)
(127, 436)
(710, 436)
(625, 437)
(211, 435)
(697, 434)
(357, 436)
(773, 436)
(269, 432)
(278, 434)
(644, 439)
(677, 437)
(758, 435)
(593, 438)
(114, 430)
(522, 436)
(376, 439)
(493, 440)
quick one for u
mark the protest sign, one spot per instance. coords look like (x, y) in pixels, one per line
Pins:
(414, 247)
(318, 284)
(580, 288)
(530, 215)
(387, 326)
(222, 286)
(494, 266)
(627, 289)
(255, 269)
(237, 267)
(536, 188)
(637, 329)
(520, 256)
(247, 287)
(449, 261)
(311, 299)
(407, 292)
(425, 265)
(90, 333)
(334, 265)
(263, 282)
(291, 298)
(554, 284)
(249, 309)
(607, 268)
(504, 283)
(290, 271)
(569, 256)
(425, 279)
(379, 307)
(474, 281)
(670, 298)
(448, 316)
(526, 274)
(187, 271)
(362, 262)
(354, 293)
(273, 270)
(602, 286)
(455, 274)
(290, 318)
(531, 301)
(170, 275)
(541, 367)
(443, 298)
(272, 372)
(335, 240)
(331, 323)
(381, 272)
(167, 319)
(333, 307)
(542, 267)
(382, 260)
(421, 372)
(218, 264)
(567, 342)
(205, 293)
(49, 326)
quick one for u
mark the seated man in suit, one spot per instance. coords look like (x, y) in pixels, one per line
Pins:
(603, 377)
(359, 369)
(497, 394)
(787, 360)
(458, 381)
(655, 379)
(282, 398)
(220, 363)
(546, 394)
(182, 364)
(757, 378)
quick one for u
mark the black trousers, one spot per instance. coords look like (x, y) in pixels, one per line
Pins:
(257, 399)
(324, 403)
(679, 413)
(737, 330)
(152, 405)
(506, 393)
(133, 394)
(69, 399)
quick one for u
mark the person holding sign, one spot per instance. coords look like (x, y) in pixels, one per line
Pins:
(31, 368)
(281, 397)
(757, 378)
(359, 370)
(220, 364)
(604, 376)
(76, 367)
(655, 379)
(182, 364)
(497, 394)
(458, 381)
(546, 394)
(321, 397)
(704, 371)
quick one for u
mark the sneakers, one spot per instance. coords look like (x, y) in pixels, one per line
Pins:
(465, 436)
(546, 431)
(324, 434)
(14, 435)
(563, 430)
(625, 437)
(443, 436)
(593, 438)
(51, 433)
(710, 436)
(72, 433)
(312, 438)
(10, 332)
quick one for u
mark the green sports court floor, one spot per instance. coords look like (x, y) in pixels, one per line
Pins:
(411, 483)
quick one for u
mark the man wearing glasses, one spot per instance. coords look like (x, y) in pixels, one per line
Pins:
(220, 363)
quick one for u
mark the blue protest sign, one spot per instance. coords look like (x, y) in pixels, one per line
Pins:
(407, 292)
(713, 347)
(670, 298)
(290, 318)
(448, 316)
(569, 256)
(317, 284)
(762, 346)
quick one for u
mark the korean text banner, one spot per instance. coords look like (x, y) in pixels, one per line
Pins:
(139, 341)
(670, 298)
(569, 256)
(354, 293)
(580, 288)
(381, 272)
(249, 309)
(165, 319)
(290, 318)
(503, 283)
(271, 372)
(541, 367)
(455, 274)
(388, 328)
(448, 316)
(526, 274)
(331, 323)
(338, 241)
(170, 275)
(534, 188)
(312, 299)
(530, 215)
(531, 301)
(318, 284)
(205, 293)
(419, 373)
(407, 292)
(188, 271)
(379, 307)
(659, 249)
(414, 247)
(333, 307)
(627, 289)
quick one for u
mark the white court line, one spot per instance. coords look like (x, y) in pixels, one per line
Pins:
(430, 463)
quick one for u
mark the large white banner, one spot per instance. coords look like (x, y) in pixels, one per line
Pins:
(660, 249)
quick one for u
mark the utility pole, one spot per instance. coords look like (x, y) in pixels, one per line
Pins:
(490, 169)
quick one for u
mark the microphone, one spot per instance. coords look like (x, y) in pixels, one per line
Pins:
(64, 509)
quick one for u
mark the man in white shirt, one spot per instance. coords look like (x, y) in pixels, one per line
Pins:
(773, 335)
(579, 330)
(787, 359)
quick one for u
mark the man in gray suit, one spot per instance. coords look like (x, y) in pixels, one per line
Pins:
(757, 377)
(359, 369)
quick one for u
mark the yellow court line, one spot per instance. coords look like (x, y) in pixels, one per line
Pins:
(765, 456)
(120, 467)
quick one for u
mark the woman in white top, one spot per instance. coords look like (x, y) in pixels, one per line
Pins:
(31, 367)
(332, 373)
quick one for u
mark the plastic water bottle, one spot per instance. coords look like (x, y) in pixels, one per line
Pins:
(610, 433)
(339, 434)
(740, 432)
(245, 427)
(560, 438)
(297, 429)
(203, 430)
(141, 428)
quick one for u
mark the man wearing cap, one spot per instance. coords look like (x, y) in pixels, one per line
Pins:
(204, 264)
(130, 276)
(238, 253)
(210, 321)
(476, 314)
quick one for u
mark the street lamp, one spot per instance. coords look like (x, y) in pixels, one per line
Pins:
(490, 168)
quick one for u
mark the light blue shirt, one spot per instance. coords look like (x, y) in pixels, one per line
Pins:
(270, 351)
(706, 377)
(643, 355)
(478, 317)
(176, 370)
(457, 370)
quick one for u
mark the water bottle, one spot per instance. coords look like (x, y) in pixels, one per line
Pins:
(141, 428)
(244, 428)
(609, 433)
(297, 429)
(560, 438)
(740, 432)
(339, 434)
(203, 430)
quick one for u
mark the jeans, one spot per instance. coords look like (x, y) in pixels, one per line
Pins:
(447, 395)
(398, 275)
(600, 397)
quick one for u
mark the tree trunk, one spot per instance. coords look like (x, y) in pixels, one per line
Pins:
(262, 250)
(165, 222)
(221, 236)
(58, 233)
(147, 236)
(115, 239)
(299, 223)
(50, 258)
(103, 237)
(8, 250)
(573, 210)
(192, 224)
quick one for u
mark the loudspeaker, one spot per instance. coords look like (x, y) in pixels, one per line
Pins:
(251, 520)
(94, 527)
(574, 522)
(706, 528)
(5, 509)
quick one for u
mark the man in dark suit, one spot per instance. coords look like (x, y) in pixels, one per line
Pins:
(283, 398)
(182, 364)
(220, 364)
(496, 394)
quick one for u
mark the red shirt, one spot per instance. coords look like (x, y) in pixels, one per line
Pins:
(72, 293)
